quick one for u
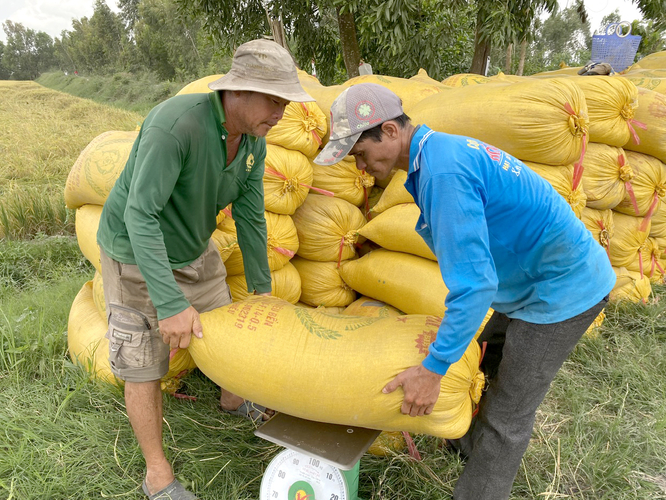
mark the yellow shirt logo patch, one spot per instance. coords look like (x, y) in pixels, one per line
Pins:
(249, 163)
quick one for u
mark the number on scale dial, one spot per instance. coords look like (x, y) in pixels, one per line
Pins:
(292, 475)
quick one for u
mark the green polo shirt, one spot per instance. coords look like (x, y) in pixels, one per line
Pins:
(162, 210)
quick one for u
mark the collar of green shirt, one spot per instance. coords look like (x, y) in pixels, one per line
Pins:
(215, 98)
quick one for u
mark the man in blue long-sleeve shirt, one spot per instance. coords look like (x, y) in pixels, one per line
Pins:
(504, 239)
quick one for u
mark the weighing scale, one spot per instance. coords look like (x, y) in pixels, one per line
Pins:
(321, 461)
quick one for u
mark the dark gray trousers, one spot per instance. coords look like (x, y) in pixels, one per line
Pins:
(521, 361)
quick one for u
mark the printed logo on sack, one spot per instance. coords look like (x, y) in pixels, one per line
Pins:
(249, 163)
(424, 340)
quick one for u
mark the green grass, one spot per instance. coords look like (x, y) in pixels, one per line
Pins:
(132, 92)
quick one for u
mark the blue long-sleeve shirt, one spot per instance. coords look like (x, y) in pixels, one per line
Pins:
(503, 237)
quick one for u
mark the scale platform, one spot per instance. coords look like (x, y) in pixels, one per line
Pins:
(315, 452)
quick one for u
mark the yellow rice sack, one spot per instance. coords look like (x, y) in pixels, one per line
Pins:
(628, 240)
(465, 80)
(225, 243)
(97, 168)
(648, 260)
(558, 73)
(562, 179)
(321, 284)
(327, 228)
(98, 294)
(648, 186)
(282, 243)
(394, 194)
(394, 229)
(287, 180)
(371, 308)
(410, 283)
(411, 92)
(656, 60)
(332, 368)
(199, 86)
(285, 282)
(301, 128)
(607, 176)
(658, 228)
(651, 113)
(630, 286)
(611, 104)
(600, 224)
(543, 121)
(322, 309)
(344, 180)
(651, 79)
(89, 348)
(323, 95)
(422, 77)
(86, 225)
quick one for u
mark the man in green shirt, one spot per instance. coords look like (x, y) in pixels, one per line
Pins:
(194, 155)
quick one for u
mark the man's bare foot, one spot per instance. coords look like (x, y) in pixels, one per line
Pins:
(235, 405)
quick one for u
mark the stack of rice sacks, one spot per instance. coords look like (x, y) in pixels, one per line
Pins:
(314, 217)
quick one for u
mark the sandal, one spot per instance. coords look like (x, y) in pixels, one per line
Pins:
(174, 491)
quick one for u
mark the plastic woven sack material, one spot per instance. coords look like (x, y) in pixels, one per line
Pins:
(301, 128)
(344, 180)
(648, 185)
(647, 262)
(287, 179)
(628, 239)
(282, 240)
(395, 229)
(561, 178)
(322, 366)
(97, 168)
(394, 194)
(411, 92)
(539, 120)
(409, 283)
(658, 227)
(371, 308)
(86, 225)
(657, 60)
(630, 286)
(618, 51)
(465, 80)
(607, 176)
(321, 284)
(651, 134)
(285, 282)
(600, 224)
(327, 228)
(199, 86)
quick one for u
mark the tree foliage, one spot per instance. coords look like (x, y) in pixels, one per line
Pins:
(27, 52)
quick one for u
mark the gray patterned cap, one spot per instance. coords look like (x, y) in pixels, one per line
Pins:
(266, 67)
(359, 107)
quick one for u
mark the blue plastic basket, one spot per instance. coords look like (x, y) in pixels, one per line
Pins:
(618, 50)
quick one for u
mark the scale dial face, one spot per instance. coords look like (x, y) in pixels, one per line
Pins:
(291, 475)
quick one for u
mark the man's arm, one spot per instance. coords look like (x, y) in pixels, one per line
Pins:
(248, 213)
(453, 206)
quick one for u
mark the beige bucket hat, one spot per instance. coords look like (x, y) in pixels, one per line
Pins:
(266, 67)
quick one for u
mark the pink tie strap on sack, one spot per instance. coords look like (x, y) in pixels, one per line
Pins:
(650, 213)
(633, 130)
(578, 166)
(312, 131)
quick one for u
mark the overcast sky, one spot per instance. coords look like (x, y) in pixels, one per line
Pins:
(53, 16)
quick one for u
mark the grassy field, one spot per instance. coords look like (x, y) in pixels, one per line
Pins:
(42, 133)
(600, 434)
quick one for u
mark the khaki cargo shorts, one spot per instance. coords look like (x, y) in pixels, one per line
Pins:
(136, 350)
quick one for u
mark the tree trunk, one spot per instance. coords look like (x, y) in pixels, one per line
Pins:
(481, 50)
(509, 59)
(350, 51)
(523, 51)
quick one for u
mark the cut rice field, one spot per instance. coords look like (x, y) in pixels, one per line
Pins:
(600, 434)
(42, 132)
